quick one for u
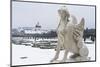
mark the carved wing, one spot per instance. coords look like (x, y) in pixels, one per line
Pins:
(78, 31)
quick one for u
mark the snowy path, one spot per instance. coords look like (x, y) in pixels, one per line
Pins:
(23, 55)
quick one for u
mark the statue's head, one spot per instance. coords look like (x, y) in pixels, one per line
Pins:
(63, 12)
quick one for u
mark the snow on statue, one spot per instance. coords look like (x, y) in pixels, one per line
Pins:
(70, 34)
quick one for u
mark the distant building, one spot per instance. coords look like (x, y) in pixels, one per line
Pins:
(38, 26)
(33, 30)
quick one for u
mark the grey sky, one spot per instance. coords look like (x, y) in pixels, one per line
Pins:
(25, 14)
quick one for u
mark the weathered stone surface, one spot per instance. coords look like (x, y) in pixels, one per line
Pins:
(70, 34)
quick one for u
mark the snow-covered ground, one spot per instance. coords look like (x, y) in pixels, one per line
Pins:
(23, 55)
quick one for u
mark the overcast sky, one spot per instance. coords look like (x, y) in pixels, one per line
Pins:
(25, 14)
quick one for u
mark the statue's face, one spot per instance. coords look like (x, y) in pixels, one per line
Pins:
(62, 13)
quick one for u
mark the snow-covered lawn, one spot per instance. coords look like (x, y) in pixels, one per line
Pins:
(23, 55)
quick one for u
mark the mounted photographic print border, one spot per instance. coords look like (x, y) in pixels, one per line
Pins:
(28, 45)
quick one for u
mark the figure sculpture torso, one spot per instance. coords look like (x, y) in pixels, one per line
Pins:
(65, 36)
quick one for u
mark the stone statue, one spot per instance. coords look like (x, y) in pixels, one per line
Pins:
(70, 35)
